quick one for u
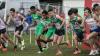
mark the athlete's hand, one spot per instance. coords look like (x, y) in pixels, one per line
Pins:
(6, 23)
(34, 23)
(45, 28)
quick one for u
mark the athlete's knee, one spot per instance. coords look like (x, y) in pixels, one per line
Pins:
(90, 41)
(37, 39)
(1, 36)
(54, 42)
(5, 36)
(16, 34)
(75, 38)
(47, 39)
(58, 43)
(38, 42)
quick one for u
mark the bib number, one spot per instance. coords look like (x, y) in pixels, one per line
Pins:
(76, 26)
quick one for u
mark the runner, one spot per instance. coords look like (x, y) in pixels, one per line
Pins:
(77, 29)
(3, 36)
(94, 24)
(40, 27)
(18, 20)
(59, 30)
(35, 16)
(48, 31)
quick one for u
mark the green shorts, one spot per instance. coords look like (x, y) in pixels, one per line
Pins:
(38, 31)
(50, 33)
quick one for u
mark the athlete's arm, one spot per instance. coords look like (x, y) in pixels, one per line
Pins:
(22, 18)
(62, 19)
(81, 21)
(9, 19)
(68, 23)
(97, 20)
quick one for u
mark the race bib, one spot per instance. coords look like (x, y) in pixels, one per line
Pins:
(92, 23)
(58, 25)
(76, 26)
(93, 26)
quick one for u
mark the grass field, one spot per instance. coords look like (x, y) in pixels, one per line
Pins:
(32, 49)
